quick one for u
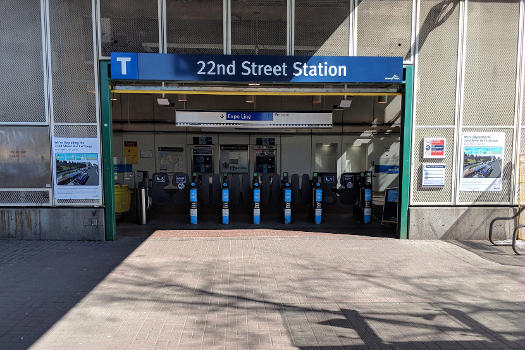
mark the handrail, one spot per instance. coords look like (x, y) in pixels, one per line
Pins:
(502, 218)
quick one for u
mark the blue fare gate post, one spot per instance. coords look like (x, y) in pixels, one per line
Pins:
(193, 199)
(367, 210)
(225, 189)
(287, 199)
(256, 199)
(318, 199)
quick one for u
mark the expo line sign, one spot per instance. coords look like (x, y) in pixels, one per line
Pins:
(252, 68)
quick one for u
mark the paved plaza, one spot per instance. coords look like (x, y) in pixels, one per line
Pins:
(266, 290)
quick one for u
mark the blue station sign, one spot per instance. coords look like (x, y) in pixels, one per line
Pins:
(246, 68)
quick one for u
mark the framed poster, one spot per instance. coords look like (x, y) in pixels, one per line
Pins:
(76, 168)
(482, 161)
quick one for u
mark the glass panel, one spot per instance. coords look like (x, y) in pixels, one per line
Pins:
(25, 157)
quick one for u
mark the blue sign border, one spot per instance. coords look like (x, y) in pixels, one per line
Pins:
(251, 68)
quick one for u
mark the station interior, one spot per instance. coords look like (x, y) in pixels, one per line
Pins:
(363, 141)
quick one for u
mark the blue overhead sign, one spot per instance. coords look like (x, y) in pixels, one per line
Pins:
(245, 68)
(249, 116)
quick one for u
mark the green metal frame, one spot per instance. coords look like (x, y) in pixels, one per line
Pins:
(406, 154)
(107, 152)
(404, 166)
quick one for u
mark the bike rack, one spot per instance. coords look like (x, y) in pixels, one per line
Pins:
(503, 218)
(515, 238)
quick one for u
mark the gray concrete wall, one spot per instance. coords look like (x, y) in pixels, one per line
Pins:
(462, 223)
(52, 223)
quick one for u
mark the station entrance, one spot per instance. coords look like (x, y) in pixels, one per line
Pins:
(303, 157)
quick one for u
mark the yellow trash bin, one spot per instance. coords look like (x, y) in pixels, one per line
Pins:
(122, 199)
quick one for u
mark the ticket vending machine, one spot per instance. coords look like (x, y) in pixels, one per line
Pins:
(264, 156)
(202, 160)
(225, 196)
(256, 188)
(287, 199)
(193, 199)
(317, 198)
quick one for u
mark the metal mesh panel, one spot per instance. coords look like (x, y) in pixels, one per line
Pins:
(438, 54)
(384, 27)
(258, 27)
(522, 165)
(22, 86)
(490, 71)
(505, 195)
(321, 27)
(432, 195)
(72, 61)
(76, 131)
(194, 26)
(129, 26)
(80, 202)
(523, 99)
(24, 197)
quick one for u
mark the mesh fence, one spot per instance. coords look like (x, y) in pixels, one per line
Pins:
(129, 26)
(321, 27)
(24, 197)
(490, 52)
(434, 194)
(72, 61)
(503, 196)
(258, 27)
(22, 78)
(438, 54)
(194, 26)
(78, 202)
(384, 27)
(89, 131)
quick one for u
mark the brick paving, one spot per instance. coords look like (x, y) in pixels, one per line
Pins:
(184, 290)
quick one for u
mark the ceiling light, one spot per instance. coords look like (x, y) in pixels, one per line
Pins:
(382, 99)
(163, 101)
(253, 84)
(250, 99)
(182, 98)
(114, 99)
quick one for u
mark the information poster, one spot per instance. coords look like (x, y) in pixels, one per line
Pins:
(76, 168)
(434, 148)
(131, 152)
(482, 161)
(171, 159)
(433, 175)
(234, 159)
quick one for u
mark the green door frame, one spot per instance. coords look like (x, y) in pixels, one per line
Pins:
(107, 151)
(406, 147)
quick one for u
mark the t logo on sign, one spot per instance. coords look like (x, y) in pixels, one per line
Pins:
(124, 65)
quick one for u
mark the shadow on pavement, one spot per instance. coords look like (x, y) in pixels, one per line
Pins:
(40, 281)
(499, 254)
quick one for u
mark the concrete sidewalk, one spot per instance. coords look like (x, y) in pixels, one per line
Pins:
(179, 291)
